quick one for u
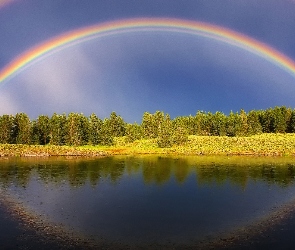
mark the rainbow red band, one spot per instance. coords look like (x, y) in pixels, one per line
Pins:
(141, 24)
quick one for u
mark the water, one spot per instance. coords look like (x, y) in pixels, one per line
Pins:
(150, 199)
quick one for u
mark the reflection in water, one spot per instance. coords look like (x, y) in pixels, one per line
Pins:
(155, 170)
(150, 198)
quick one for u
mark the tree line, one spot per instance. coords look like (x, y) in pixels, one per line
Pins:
(77, 129)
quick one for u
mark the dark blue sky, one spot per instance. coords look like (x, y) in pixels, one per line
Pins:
(137, 72)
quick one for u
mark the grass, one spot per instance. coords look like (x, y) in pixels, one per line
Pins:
(7, 150)
(264, 144)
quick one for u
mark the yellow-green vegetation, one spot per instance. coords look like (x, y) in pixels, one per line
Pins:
(7, 150)
(263, 144)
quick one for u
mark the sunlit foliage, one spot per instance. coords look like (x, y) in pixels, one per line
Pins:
(6, 125)
(133, 132)
(21, 129)
(95, 130)
(57, 129)
(76, 129)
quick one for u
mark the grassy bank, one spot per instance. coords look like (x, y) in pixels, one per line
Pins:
(7, 150)
(264, 144)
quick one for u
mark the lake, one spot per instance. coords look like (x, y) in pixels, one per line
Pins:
(147, 201)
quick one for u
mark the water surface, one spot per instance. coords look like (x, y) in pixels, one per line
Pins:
(150, 199)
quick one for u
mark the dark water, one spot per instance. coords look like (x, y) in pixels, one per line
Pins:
(151, 199)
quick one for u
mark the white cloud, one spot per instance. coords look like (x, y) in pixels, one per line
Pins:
(54, 83)
(8, 103)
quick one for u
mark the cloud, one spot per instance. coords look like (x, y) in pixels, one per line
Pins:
(52, 84)
(8, 103)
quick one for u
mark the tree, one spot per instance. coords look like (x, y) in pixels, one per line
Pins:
(84, 129)
(6, 128)
(279, 122)
(34, 133)
(275, 120)
(199, 117)
(185, 122)
(291, 123)
(95, 130)
(151, 124)
(21, 129)
(179, 135)
(283, 115)
(148, 129)
(107, 137)
(243, 124)
(164, 139)
(262, 120)
(43, 129)
(77, 129)
(58, 128)
(233, 124)
(116, 125)
(218, 124)
(133, 132)
(181, 121)
(254, 125)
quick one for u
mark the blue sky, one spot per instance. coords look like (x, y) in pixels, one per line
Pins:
(146, 71)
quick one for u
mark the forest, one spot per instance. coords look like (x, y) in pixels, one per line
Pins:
(77, 129)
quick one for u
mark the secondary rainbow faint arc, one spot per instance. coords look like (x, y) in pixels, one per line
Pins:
(5, 2)
(141, 24)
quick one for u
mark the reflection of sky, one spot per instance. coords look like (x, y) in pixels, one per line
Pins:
(132, 210)
(137, 72)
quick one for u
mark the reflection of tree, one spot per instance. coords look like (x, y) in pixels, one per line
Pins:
(281, 174)
(181, 170)
(94, 173)
(239, 175)
(154, 170)
(78, 174)
(220, 174)
(133, 165)
(16, 173)
(113, 169)
(55, 172)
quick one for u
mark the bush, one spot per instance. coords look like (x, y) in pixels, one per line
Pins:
(180, 136)
(133, 132)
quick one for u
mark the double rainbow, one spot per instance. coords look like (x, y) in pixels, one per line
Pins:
(147, 24)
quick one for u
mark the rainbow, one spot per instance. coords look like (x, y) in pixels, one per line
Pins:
(5, 2)
(146, 24)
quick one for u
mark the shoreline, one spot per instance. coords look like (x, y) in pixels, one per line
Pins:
(257, 145)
